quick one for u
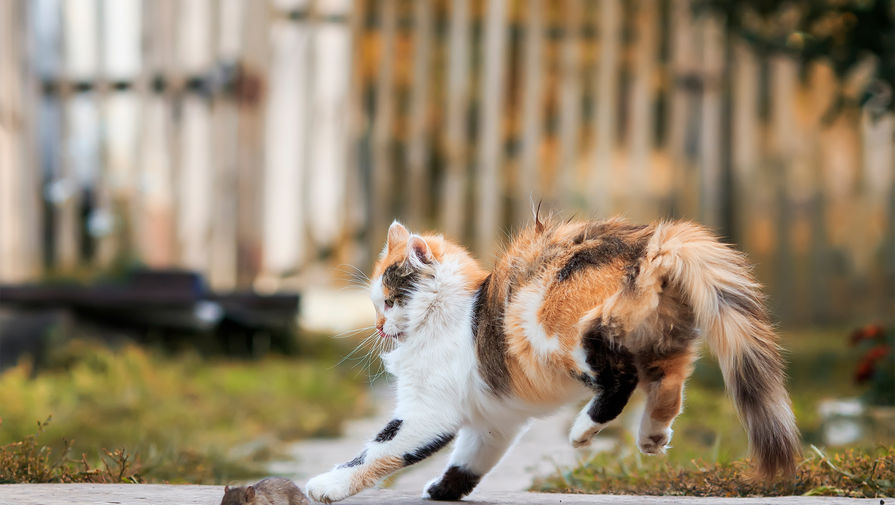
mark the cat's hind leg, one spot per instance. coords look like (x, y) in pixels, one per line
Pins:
(663, 379)
(476, 451)
(608, 370)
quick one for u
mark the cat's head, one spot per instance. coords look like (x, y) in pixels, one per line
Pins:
(407, 269)
(406, 259)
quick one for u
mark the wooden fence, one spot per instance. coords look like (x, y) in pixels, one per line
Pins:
(264, 142)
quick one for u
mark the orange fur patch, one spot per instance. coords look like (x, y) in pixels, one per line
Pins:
(368, 475)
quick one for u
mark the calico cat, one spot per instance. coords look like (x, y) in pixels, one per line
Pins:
(571, 310)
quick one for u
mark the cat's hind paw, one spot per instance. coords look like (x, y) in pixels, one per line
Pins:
(654, 443)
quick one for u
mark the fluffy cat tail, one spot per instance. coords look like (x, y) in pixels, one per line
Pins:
(729, 309)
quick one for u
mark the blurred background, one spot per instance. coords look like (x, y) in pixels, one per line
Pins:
(187, 182)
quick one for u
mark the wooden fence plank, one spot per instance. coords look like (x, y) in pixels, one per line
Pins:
(532, 105)
(285, 215)
(641, 116)
(710, 144)
(453, 197)
(418, 144)
(252, 98)
(600, 187)
(488, 199)
(570, 105)
(326, 170)
(19, 185)
(382, 170)
(225, 36)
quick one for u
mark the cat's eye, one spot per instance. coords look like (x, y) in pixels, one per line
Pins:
(389, 303)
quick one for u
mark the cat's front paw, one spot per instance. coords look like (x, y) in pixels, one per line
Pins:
(330, 486)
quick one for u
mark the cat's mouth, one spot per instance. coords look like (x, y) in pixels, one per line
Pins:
(387, 336)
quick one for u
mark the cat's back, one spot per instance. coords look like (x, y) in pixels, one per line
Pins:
(550, 275)
(279, 491)
(554, 253)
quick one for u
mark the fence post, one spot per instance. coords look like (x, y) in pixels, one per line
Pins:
(418, 194)
(329, 76)
(491, 137)
(19, 183)
(251, 99)
(600, 186)
(453, 198)
(710, 145)
(286, 146)
(570, 105)
(641, 126)
(381, 177)
(532, 110)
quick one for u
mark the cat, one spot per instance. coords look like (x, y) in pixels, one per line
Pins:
(571, 311)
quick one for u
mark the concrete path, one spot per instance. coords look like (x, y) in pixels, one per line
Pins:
(157, 494)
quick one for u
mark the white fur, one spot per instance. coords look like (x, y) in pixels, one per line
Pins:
(331, 486)
(585, 429)
(529, 301)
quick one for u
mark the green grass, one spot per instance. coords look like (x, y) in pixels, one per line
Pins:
(852, 473)
(178, 418)
(710, 441)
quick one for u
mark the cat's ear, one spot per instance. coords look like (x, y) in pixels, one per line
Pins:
(418, 250)
(250, 492)
(397, 234)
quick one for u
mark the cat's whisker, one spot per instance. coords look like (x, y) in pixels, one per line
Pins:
(348, 333)
(358, 347)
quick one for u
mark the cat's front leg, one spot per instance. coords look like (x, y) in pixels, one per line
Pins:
(404, 441)
(477, 450)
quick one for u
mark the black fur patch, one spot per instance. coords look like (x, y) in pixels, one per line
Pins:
(456, 483)
(490, 341)
(358, 461)
(606, 249)
(614, 370)
(400, 281)
(428, 449)
(390, 430)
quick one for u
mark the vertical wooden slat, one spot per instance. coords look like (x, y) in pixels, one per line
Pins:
(684, 65)
(196, 172)
(782, 144)
(121, 38)
(356, 252)
(570, 102)
(491, 140)
(252, 97)
(19, 187)
(381, 198)
(453, 199)
(532, 110)
(599, 188)
(745, 145)
(327, 138)
(81, 157)
(156, 232)
(286, 147)
(226, 40)
(710, 137)
(418, 148)
(878, 179)
(641, 124)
